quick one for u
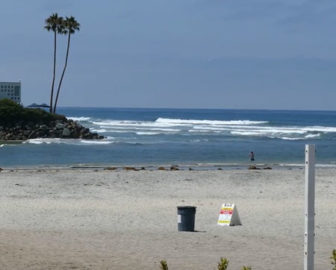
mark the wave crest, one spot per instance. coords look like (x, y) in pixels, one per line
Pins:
(206, 127)
(81, 118)
(207, 122)
(68, 141)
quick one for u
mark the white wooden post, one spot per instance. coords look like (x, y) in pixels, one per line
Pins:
(309, 207)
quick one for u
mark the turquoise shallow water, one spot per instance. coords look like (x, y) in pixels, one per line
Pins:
(183, 136)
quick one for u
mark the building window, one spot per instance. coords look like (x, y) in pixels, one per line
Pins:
(17, 90)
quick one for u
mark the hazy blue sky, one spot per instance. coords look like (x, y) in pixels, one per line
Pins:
(271, 54)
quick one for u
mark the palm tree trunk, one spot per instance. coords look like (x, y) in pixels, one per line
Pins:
(54, 75)
(65, 66)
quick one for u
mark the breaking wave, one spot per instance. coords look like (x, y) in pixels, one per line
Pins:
(79, 118)
(68, 141)
(199, 127)
(168, 121)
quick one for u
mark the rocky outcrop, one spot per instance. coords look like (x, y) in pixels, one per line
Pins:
(18, 123)
(63, 128)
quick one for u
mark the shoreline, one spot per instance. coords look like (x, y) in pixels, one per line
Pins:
(168, 167)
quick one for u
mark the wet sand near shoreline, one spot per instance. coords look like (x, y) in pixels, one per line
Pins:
(125, 219)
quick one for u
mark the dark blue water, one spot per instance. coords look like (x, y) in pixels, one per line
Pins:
(183, 136)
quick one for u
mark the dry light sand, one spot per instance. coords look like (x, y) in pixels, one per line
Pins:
(96, 219)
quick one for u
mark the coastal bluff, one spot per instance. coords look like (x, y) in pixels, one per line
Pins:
(19, 124)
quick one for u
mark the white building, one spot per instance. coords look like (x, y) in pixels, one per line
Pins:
(11, 90)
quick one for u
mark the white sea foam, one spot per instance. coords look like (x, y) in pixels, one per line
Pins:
(326, 165)
(320, 129)
(147, 133)
(165, 129)
(241, 128)
(43, 141)
(99, 130)
(198, 140)
(291, 165)
(208, 122)
(67, 141)
(277, 133)
(290, 138)
(318, 165)
(79, 118)
(309, 136)
(247, 133)
(130, 124)
(135, 128)
(95, 142)
(203, 131)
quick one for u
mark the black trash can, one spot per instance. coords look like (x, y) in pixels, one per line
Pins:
(186, 218)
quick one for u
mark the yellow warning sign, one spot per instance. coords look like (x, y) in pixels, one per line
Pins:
(228, 215)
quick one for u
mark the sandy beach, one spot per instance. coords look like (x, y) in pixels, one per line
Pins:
(100, 219)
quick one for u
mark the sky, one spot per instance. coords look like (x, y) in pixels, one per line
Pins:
(230, 54)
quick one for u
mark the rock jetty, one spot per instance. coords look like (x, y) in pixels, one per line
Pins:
(66, 128)
(18, 124)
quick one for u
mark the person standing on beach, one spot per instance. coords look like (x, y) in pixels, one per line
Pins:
(251, 156)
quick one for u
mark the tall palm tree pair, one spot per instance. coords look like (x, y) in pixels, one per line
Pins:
(59, 25)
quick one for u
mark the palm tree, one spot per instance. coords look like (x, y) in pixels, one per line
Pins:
(70, 27)
(54, 24)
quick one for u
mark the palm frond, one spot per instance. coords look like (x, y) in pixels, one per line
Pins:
(52, 23)
(71, 24)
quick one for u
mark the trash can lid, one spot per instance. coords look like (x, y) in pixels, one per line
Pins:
(187, 206)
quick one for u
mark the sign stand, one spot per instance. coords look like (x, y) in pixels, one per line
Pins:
(309, 207)
(228, 215)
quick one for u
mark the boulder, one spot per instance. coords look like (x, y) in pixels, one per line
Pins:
(59, 126)
(130, 169)
(66, 132)
(253, 167)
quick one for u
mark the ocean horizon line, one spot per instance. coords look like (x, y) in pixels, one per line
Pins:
(194, 108)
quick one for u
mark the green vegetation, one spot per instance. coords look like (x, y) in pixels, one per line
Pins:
(12, 113)
(223, 264)
(333, 259)
(59, 25)
(164, 265)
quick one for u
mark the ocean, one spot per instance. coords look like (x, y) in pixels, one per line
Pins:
(183, 136)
